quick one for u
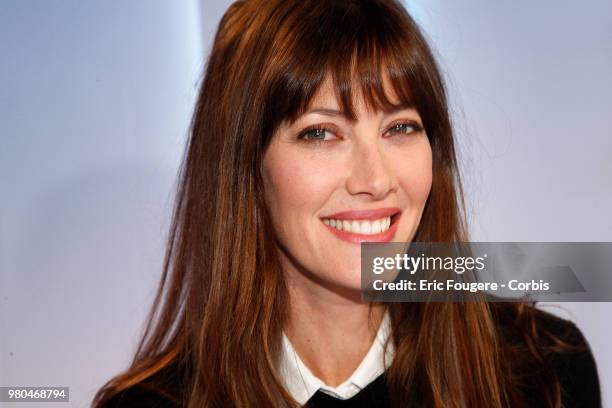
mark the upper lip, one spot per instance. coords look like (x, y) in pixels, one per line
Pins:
(373, 214)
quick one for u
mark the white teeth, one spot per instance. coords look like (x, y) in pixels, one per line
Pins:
(366, 227)
(376, 227)
(346, 226)
(360, 226)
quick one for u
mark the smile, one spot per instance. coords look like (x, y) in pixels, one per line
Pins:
(364, 225)
(360, 227)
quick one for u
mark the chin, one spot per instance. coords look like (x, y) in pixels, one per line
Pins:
(348, 283)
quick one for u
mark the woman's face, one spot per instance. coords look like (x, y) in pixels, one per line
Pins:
(331, 183)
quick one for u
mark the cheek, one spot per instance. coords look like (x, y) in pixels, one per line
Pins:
(296, 184)
(414, 172)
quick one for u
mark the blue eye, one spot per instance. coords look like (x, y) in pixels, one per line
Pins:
(404, 128)
(316, 134)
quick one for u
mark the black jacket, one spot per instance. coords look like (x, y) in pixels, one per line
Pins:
(576, 372)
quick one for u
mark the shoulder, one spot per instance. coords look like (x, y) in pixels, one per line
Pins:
(575, 367)
(566, 354)
(161, 390)
(140, 397)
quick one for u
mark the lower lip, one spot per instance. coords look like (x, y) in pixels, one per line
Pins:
(385, 236)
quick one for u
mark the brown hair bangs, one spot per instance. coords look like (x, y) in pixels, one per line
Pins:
(367, 49)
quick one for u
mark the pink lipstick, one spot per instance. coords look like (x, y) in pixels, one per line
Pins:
(356, 226)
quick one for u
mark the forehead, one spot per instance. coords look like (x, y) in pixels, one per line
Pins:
(328, 95)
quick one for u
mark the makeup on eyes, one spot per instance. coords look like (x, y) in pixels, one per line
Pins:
(320, 127)
(396, 127)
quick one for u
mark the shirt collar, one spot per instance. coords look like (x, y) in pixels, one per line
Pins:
(302, 384)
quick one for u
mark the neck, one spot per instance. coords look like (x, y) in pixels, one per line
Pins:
(330, 329)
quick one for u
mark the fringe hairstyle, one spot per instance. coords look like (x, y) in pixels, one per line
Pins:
(220, 307)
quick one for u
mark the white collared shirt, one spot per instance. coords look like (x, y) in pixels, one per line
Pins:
(302, 384)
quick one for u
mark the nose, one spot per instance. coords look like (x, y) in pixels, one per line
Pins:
(370, 173)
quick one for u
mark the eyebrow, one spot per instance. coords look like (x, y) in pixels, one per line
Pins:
(337, 112)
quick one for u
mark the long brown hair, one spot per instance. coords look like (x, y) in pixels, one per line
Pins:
(220, 308)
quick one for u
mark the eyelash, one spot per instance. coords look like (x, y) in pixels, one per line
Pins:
(316, 128)
(417, 128)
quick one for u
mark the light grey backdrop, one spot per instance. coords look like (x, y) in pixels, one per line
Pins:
(95, 102)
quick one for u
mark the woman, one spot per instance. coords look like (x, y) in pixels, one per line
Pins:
(319, 125)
